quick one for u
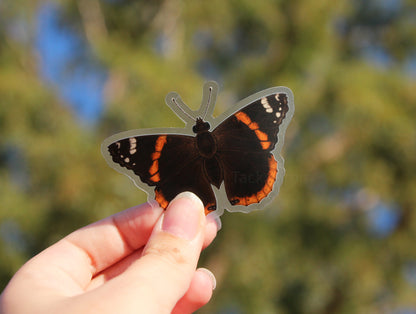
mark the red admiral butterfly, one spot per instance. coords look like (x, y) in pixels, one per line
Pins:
(241, 153)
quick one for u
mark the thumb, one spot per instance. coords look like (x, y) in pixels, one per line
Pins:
(169, 259)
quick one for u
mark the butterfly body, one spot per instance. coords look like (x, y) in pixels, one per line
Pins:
(237, 153)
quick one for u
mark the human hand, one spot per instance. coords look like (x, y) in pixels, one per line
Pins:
(141, 260)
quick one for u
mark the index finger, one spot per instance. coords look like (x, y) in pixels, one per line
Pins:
(87, 251)
(111, 239)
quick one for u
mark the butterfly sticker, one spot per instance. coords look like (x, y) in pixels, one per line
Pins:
(230, 162)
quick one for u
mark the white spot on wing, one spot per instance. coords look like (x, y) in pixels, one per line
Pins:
(127, 159)
(266, 105)
(278, 114)
(133, 144)
(132, 140)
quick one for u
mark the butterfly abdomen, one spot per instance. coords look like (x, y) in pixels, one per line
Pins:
(206, 144)
(207, 148)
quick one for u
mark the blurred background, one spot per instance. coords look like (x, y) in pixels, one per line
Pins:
(340, 237)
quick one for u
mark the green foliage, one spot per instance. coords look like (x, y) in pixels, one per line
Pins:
(350, 147)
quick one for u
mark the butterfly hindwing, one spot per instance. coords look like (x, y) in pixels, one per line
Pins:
(190, 178)
(250, 179)
(252, 134)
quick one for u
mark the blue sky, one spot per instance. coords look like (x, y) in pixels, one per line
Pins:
(68, 65)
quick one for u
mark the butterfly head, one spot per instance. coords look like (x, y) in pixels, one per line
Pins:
(200, 126)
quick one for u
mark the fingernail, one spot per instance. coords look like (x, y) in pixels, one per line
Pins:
(211, 277)
(183, 215)
(214, 220)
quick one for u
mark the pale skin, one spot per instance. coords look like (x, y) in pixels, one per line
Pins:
(141, 260)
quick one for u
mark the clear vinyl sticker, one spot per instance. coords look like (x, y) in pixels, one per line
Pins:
(230, 162)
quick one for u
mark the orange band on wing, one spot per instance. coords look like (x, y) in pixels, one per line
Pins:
(154, 168)
(267, 188)
(161, 199)
(160, 142)
(264, 139)
(210, 208)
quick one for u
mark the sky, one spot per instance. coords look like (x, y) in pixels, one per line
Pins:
(68, 66)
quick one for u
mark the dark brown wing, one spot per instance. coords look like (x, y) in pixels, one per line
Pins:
(171, 163)
(245, 142)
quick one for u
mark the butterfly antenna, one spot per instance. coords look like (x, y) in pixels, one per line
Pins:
(208, 103)
(183, 110)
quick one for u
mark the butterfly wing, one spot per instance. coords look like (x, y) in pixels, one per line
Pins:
(171, 163)
(251, 134)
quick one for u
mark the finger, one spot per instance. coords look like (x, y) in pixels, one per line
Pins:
(212, 225)
(198, 294)
(161, 277)
(87, 251)
(113, 238)
(114, 271)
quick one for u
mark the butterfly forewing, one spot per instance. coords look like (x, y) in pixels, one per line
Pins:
(136, 154)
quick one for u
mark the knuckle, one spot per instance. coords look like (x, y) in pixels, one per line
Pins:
(168, 254)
